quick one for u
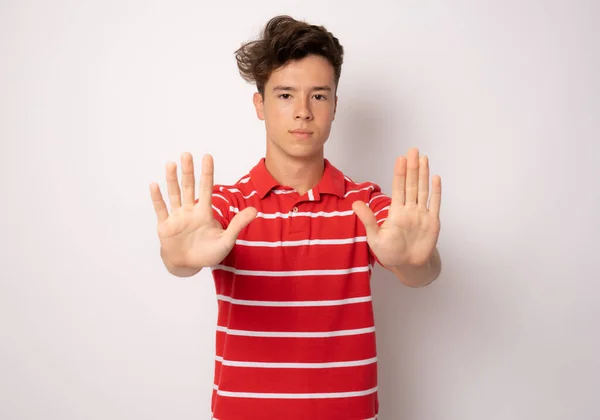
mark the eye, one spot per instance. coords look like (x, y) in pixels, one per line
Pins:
(284, 96)
(320, 97)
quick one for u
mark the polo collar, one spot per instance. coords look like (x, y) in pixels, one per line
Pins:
(332, 181)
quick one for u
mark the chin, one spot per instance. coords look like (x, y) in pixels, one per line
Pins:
(298, 149)
(306, 155)
(305, 150)
(302, 152)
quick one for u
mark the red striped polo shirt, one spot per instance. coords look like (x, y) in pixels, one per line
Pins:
(295, 332)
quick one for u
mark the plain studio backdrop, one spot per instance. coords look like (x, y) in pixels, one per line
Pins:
(503, 96)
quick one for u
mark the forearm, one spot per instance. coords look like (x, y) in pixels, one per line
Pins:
(178, 271)
(419, 276)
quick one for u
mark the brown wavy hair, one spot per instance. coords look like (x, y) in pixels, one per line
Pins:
(282, 40)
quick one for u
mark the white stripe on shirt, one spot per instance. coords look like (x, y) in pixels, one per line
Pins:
(334, 272)
(293, 334)
(294, 303)
(303, 242)
(234, 190)
(375, 198)
(284, 365)
(217, 210)
(370, 187)
(220, 196)
(385, 208)
(294, 396)
(297, 214)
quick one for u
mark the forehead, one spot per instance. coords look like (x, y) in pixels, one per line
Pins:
(310, 70)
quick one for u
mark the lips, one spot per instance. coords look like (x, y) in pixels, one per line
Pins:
(302, 134)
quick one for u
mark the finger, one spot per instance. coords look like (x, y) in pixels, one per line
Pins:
(398, 185)
(188, 183)
(160, 208)
(423, 194)
(173, 185)
(436, 196)
(206, 184)
(239, 222)
(366, 216)
(412, 177)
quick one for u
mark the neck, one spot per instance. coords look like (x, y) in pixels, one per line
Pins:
(301, 174)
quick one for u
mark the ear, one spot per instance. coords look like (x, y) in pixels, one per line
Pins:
(259, 105)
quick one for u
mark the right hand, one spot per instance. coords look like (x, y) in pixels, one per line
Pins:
(190, 237)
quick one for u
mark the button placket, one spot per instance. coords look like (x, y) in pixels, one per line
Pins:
(298, 223)
(293, 221)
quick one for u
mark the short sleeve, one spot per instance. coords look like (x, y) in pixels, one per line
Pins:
(379, 203)
(221, 205)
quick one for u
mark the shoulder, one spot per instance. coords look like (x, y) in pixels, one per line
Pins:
(362, 188)
(237, 192)
(368, 192)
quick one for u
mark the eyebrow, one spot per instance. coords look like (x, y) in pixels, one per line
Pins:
(292, 89)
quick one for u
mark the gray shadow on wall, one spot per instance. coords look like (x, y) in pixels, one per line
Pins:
(368, 153)
(371, 136)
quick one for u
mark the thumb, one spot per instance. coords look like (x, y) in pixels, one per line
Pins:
(366, 216)
(239, 222)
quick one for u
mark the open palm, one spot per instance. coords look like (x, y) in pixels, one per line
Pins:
(410, 232)
(190, 237)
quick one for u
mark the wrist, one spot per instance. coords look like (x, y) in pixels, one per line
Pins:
(176, 270)
(419, 275)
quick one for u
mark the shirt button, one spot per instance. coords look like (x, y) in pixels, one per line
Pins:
(295, 209)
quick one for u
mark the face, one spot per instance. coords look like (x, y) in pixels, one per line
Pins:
(298, 107)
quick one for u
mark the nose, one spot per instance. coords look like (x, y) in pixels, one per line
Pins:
(303, 111)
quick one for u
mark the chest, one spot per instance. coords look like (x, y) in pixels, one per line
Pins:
(291, 233)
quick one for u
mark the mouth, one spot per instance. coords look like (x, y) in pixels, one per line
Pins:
(301, 134)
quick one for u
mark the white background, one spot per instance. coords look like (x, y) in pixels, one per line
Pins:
(503, 96)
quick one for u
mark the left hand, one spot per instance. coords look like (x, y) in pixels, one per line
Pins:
(409, 235)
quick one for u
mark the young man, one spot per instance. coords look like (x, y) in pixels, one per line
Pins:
(292, 244)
